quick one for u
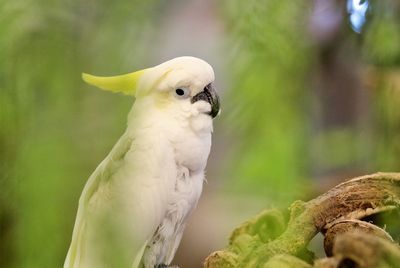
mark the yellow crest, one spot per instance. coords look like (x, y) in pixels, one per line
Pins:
(125, 83)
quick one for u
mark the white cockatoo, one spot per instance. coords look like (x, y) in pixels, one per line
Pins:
(133, 208)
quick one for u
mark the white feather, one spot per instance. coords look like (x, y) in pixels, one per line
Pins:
(133, 208)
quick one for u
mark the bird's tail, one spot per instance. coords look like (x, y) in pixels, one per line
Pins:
(137, 262)
(75, 249)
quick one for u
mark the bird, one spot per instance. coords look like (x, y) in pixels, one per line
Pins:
(133, 208)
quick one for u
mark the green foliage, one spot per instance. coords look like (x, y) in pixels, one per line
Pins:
(271, 113)
(382, 37)
(268, 103)
(381, 50)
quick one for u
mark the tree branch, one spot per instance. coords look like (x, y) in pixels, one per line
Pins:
(269, 238)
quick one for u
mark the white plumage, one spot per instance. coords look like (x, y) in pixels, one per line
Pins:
(133, 209)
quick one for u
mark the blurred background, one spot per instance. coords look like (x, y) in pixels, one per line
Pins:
(310, 96)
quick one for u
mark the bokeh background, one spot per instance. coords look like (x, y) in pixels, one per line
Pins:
(310, 94)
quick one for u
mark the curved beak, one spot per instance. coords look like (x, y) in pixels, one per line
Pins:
(209, 95)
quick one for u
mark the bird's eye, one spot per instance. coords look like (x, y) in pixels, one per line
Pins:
(182, 92)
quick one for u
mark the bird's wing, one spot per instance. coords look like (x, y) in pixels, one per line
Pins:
(92, 186)
(95, 194)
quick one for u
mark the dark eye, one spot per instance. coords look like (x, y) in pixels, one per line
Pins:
(182, 92)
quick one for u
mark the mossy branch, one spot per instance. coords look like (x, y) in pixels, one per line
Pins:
(270, 240)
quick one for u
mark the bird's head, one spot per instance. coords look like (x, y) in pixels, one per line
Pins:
(180, 84)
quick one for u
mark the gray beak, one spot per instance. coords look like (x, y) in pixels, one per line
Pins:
(209, 95)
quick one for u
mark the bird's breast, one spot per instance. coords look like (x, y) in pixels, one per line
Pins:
(192, 150)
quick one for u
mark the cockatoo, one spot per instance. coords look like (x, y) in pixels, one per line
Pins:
(134, 206)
